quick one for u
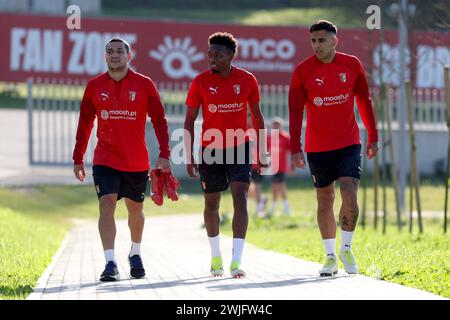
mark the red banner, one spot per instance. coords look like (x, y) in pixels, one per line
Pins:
(42, 46)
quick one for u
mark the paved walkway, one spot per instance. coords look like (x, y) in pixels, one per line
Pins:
(176, 259)
(175, 252)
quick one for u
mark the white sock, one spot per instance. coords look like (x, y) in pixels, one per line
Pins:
(109, 255)
(274, 206)
(330, 246)
(238, 247)
(347, 237)
(260, 205)
(214, 243)
(285, 205)
(135, 249)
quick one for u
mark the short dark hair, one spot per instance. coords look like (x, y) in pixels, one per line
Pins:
(323, 25)
(126, 44)
(224, 38)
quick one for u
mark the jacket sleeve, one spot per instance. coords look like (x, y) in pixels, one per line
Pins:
(155, 111)
(364, 103)
(297, 100)
(85, 124)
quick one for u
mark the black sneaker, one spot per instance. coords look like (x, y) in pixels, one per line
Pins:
(111, 273)
(136, 268)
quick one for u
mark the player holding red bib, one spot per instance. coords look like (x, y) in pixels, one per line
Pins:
(120, 99)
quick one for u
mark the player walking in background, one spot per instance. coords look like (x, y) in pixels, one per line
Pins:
(279, 145)
(257, 179)
(120, 99)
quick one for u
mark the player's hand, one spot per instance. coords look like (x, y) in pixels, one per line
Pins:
(372, 150)
(264, 161)
(78, 170)
(298, 159)
(192, 169)
(163, 164)
(292, 168)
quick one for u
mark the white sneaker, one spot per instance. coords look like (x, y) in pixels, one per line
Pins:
(261, 205)
(260, 213)
(236, 271)
(330, 267)
(349, 261)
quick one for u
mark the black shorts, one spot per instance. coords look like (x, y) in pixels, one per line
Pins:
(328, 166)
(256, 177)
(216, 176)
(132, 185)
(278, 177)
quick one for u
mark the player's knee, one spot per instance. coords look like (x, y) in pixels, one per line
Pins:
(211, 207)
(348, 191)
(137, 213)
(325, 198)
(107, 202)
(240, 195)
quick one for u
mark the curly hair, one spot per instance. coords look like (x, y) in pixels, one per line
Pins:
(224, 38)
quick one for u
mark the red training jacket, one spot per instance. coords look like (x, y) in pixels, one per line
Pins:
(328, 90)
(121, 108)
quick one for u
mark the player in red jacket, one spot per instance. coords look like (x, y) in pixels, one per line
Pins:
(120, 99)
(224, 92)
(256, 177)
(327, 83)
(279, 145)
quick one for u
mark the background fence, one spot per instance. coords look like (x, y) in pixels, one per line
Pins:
(53, 107)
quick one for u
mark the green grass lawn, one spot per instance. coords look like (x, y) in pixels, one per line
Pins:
(417, 260)
(276, 16)
(35, 221)
(7, 102)
(27, 244)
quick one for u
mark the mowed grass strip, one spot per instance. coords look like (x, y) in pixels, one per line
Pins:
(416, 260)
(419, 261)
(34, 222)
(27, 244)
(269, 17)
